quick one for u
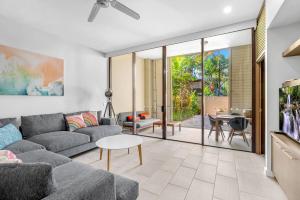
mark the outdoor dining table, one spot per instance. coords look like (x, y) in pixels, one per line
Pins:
(225, 118)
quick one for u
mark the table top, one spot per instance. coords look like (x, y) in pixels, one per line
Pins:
(168, 123)
(228, 116)
(119, 141)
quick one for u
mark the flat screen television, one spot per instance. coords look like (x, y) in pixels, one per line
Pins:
(289, 111)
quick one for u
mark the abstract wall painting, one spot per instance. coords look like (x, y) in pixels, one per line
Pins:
(26, 73)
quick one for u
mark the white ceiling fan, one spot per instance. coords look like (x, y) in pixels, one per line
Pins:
(115, 4)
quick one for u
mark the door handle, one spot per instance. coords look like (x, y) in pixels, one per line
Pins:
(285, 152)
(288, 154)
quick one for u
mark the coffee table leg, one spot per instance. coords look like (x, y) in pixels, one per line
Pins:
(101, 151)
(140, 154)
(108, 159)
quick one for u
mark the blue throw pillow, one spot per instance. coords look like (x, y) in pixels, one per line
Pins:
(9, 134)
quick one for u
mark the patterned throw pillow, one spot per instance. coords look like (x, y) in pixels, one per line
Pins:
(90, 119)
(75, 122)
(9, 134)
(8, 157)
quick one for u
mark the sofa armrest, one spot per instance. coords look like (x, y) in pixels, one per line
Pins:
(93, 187)
(108, 121)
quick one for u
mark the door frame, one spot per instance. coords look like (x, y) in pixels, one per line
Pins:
(260, 104)
(254, 91)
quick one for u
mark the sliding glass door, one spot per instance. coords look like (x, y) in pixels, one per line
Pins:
(198, 91)
(184, 91)
(228, 90)
(149, 92)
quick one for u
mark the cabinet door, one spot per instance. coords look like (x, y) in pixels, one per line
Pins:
(286, 168)
(278, 161)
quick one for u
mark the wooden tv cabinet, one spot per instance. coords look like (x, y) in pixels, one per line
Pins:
(286, 164)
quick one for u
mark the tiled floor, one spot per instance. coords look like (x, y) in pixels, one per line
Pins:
(178, 171)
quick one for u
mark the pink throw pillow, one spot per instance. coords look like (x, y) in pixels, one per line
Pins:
(7, 156)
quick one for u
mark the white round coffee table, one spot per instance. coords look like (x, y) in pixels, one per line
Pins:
(119, 142)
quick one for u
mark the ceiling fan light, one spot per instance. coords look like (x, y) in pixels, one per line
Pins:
(227, 9)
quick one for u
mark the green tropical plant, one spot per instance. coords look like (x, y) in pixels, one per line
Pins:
(216, 69)
(186, 70)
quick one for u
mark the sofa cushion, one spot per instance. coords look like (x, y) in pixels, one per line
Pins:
(38, 124)
(77, 150)
(25, 181)
(23, 146)
(122, 117)
(126, 189)
(98, 132)
(66, 174)
(94, 186)
(108, 121)
(60, 140)
(142, 123)
(6, 121)
(44, 156)
(9, 134)
(130, 124)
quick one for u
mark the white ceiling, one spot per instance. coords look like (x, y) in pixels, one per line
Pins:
(212, 43)
(288, 14)
(112, 30)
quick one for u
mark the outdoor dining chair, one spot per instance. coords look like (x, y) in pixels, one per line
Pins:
(238, 126)
(214, 123)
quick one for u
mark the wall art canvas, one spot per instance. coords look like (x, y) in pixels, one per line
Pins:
(26, 73)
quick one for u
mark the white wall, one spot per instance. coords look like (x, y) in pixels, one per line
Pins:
(85, 76)
(279, 69)
(273, 6)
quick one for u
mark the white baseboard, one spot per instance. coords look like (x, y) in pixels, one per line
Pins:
(268, 172)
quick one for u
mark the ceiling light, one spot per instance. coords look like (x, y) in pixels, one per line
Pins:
(227, 9)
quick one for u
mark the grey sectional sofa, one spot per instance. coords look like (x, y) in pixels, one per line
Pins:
(74, 180)
(48, 141)
(51, 131)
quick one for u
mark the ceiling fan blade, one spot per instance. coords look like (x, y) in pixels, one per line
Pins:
(94, 12)
(124, 9)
